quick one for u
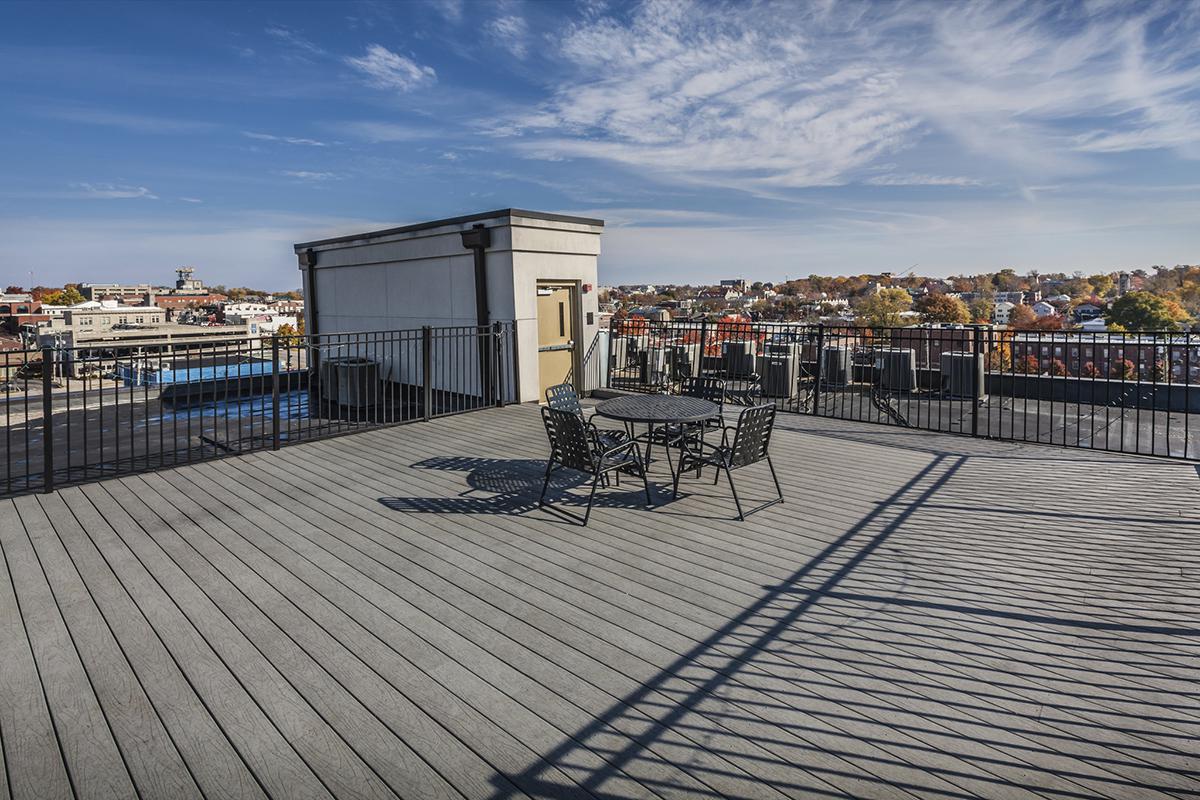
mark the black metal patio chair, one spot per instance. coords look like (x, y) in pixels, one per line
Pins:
(750, 443)
(573, 445)
(562, 397)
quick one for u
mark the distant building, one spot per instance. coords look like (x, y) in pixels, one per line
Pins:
(1044, 309)
(1016, 298)
(1001, 311)
(737, 284)
(1085, 311)
(1124, 283)
(115, 291)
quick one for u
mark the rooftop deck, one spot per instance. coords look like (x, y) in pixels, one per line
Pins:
(389, 614)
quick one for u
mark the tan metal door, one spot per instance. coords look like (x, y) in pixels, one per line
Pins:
(556, 336)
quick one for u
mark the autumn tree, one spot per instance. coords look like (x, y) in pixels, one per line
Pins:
(1028, 365)
(943, 308)
(1143, 311)
(883, 308)
(1022, 318)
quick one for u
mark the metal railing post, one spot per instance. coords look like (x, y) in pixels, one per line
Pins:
(47, 420)
(977, 378)
(426, 368)
(274, 392)
(816, 392)
(703, 343)
(516, 362)
(497, 383)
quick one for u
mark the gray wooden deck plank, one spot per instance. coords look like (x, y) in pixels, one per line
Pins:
(363, 612)
(371, 741)
(278, 767)
(153, 761)
(388, 700)
(650, 654)
(673, 568)
(328, 756)
(213, 761)
(33, 759)
(83, 732)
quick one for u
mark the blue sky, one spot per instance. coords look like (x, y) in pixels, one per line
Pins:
(750, 139)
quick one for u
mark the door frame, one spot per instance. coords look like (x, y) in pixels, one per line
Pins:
(576, 327)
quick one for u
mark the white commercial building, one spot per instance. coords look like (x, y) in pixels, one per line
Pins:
(535, 269)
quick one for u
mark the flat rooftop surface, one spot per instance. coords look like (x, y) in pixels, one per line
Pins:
(388, 614)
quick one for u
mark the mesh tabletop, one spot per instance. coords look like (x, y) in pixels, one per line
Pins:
(658, 408)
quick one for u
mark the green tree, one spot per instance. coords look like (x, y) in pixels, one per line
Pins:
(943, 308)
(1143, 311)
(981, 310)
(883, 308)
(68, 296)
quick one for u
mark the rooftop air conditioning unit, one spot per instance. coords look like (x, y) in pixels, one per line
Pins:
(738, 358)
(896, 369)
(780, 372)
(835, 366)
(960, 371)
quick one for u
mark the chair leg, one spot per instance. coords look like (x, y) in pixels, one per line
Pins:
(775, 478)
(646, 486)
(675, 481)
(545, 483)
(733, 489)
(591, 497)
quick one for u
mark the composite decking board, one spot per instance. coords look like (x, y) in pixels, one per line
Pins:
(743, 529)
(327, 754)
(214, 763)
(945, 654)
(33, 759)
(301, 553)
(531, 691)
(264, 558)
(153, 761)
(276, 764)
(230, 590)
(87, 741)
(583, 532)
(665, 758)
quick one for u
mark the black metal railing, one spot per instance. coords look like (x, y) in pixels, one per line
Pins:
(1123, 392)
(72, 414)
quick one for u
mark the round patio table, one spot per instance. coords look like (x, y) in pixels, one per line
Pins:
(658, 410)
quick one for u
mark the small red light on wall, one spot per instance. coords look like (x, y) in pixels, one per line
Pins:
(587, 287)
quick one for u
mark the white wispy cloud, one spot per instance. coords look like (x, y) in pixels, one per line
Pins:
(111, 191)
(384, 69)
(770, 97)
(298, 43)
(917, 179)
(309, 175)
(267, 137)
(511, 32)
(452, 10)
(191, 199)
(137, 123)
(375, 131)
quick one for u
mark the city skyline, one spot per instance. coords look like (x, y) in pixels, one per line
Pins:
(757, 141)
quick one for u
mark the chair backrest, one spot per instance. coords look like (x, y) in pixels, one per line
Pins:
(570, 443)
(705, 388)
(753, 436)
(562, 397)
